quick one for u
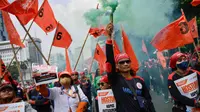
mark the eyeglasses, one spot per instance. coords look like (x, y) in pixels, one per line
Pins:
(125, 61)
(101, 84)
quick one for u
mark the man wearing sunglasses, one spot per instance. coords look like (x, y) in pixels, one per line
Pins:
(75, 78)
(129, 90)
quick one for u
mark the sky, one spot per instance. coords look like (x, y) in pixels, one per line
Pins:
(70, 14)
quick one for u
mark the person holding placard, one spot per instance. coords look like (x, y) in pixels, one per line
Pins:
(67, 98)
(183, 84)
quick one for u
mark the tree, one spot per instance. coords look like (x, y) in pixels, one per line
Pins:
(14, 71)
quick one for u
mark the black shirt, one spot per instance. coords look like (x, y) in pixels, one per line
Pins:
(124, 97)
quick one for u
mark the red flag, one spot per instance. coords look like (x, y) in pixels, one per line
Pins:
(25, 18)
(68, 65)
(96, 32)
(3, 3)
(161, 59)
(12, 32)
(45, 18)
(2, 70)
(195, 2)
(173, 35)
(20, 7)
(62, 38)
(129, 51)
(193, 28)
(100, 57)
(144, 48)
(115, 48)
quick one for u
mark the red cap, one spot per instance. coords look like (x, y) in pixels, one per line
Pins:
(74, 72)
(104, 79)
(121, 56)
(5, 84)
(82, 73)
(174, 58)
(63, 73)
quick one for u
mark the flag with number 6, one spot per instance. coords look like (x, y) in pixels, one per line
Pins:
(62, 38)
(45, 18)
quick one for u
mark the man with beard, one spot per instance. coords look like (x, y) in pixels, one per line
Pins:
(129, 90)
(67, 98)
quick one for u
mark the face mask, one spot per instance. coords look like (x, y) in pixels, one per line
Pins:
(65, 81)
(183, 65)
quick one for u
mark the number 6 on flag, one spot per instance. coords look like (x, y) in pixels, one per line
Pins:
(62, 38)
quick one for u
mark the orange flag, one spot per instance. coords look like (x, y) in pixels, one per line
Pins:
(25, 18)
(173, 35)
(96, 32)
(161, 59)
(193, 28)
(2, 70)
(45, 18)
(19, 7)
(12, 32)
(3, 3)
(100, 57)
(129, 51)
(68, 65)
(144, 48)
(62, 38)
(115, 48)
(195, 2)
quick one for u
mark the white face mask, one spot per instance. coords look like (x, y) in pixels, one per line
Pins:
(65, 81)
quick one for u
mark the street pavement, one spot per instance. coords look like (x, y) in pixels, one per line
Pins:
(160, 104)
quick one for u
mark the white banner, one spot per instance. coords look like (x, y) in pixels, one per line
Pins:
(13, 107)
(44, 74)
(188, 86)
(106, 101)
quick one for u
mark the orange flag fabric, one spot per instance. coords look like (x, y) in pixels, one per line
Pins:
(115, 48)
(195, 2)
(68, 65)
(19, 7)
(2, 70)
(62, 38)
(144, 48)
(96, 32)
(4, 3)
(12, 32)
(193, 28)
(45, 18)
(100, 57)
(161, 59)
(129, 51)
(173, 35)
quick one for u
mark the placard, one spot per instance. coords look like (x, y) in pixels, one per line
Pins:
(188, 86)
(106, 101)
(13, 107)
(44, 74)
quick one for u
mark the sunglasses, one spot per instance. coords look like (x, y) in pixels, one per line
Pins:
(101, 84)
(125, 61)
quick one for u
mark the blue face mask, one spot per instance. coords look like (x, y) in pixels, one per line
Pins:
(183, 65)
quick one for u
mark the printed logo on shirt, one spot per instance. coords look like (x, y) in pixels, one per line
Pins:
(139, 85)
(128, 91)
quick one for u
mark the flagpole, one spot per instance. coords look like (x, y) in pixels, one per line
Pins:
(18, 68)
(50, 52)
(33, 42)
(93, 58)
(81, 51)
(17, 49)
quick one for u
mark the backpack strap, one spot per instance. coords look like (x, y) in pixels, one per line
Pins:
(76, 90)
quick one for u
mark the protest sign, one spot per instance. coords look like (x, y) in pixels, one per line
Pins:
(13, 107)
(44, 74)
(106, 101)
(188, 86)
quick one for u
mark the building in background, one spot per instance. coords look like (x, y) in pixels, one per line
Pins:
(3, 33)
(58, 60)
(80, 66)
(35, 56)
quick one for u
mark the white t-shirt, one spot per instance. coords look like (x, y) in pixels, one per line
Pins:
(63, 102)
